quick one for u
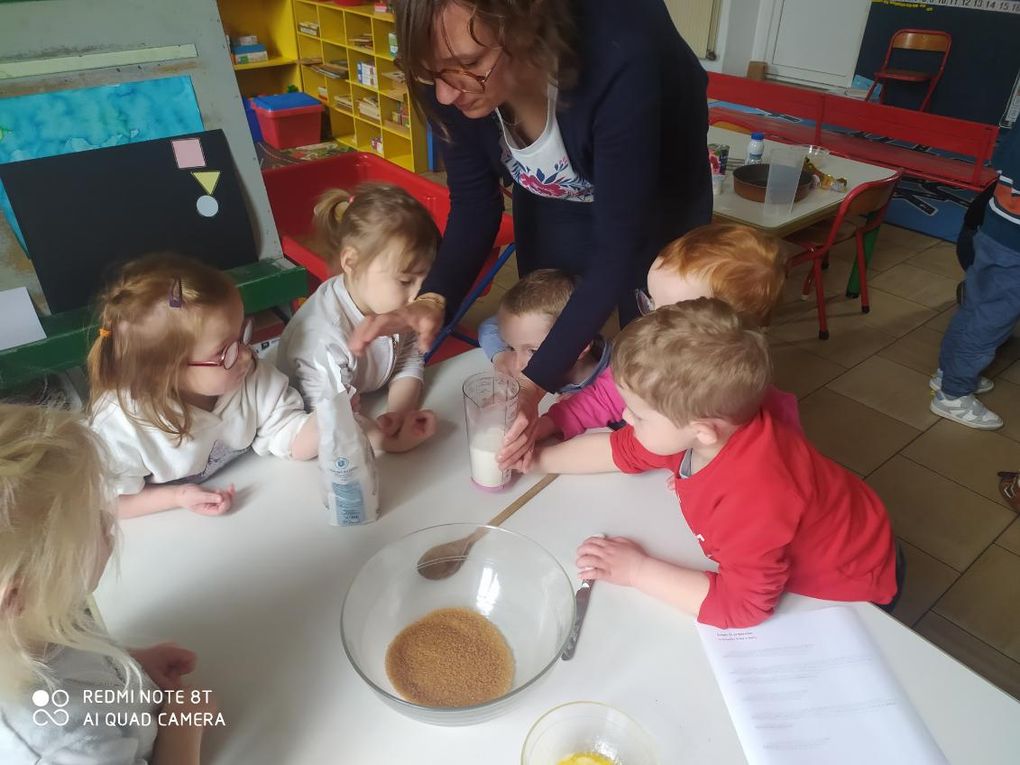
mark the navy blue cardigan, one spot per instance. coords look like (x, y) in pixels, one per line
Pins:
(635, 125)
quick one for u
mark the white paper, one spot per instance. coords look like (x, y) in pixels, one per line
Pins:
(811, 687)
(19, 323)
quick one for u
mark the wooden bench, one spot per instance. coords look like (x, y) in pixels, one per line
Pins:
(824, 113)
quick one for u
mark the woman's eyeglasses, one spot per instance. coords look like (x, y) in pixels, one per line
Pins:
(645, 304)
(461, 79)
(231, 353)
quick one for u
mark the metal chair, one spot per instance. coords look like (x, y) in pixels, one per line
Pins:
(870, 200)
(928, 40)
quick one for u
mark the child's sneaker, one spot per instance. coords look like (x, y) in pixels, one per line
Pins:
(935, 383)
(966, 410)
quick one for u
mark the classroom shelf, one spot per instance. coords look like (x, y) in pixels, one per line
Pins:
(272, 21)
(343, 32)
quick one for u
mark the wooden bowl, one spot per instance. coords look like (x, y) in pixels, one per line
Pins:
(749, 182)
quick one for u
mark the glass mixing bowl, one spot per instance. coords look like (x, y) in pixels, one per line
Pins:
(505, 576)
(586, 727)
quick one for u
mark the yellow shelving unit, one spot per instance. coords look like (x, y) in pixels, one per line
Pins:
(273, 22)
(361, 112)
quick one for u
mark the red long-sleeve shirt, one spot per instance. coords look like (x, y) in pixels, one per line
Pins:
(776, 515)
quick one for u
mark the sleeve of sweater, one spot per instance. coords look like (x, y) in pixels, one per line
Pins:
(631, 457)
(476, 206)
(489, 338)
(626, 157)
(279, 411)
(752, 558)
(594, 407)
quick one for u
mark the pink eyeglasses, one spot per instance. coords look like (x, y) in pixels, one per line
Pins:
(231, 353)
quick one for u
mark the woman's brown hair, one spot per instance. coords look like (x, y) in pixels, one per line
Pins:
(373, 217)
(149, 320)
(540, 32)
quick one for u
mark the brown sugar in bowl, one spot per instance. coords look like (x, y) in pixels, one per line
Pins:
(749, 182)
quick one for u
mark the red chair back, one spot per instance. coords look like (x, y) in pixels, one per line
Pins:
(867, 199)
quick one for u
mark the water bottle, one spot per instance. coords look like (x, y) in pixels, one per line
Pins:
(755, 149)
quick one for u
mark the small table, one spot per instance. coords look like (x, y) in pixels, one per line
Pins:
(818, 205)
(257, 595)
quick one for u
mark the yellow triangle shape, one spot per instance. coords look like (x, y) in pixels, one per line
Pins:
(208, 179)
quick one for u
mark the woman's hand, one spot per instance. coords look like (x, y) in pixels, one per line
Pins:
(520, 439)
(165, 663)
(424, 317)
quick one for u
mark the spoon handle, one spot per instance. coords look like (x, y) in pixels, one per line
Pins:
(522, 500)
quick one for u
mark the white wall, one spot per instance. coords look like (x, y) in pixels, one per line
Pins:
(739, 21)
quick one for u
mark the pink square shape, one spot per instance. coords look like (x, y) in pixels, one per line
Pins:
(188, 153)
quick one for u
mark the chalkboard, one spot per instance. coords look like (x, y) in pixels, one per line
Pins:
(81, 214)
(982, 66)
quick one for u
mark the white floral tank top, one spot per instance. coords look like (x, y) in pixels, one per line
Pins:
(543, 168)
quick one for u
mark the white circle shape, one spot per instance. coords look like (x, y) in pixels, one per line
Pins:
(207, 206)
(40, 698)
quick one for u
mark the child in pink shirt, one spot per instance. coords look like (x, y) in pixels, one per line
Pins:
(734, 263)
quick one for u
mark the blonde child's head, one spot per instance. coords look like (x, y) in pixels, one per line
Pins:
(734, 263)
(690, 371)
(56, 535)
(381, 239)
(529, 309)
(169, 328)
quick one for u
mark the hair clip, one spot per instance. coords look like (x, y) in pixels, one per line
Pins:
(350, 199)
(104, 332)
(176, 294)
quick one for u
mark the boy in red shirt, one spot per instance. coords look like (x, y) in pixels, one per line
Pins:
(766, 506)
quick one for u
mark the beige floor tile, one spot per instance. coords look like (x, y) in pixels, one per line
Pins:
(895, 315)
(939, 259)
(1005, 402)
(1010, 538)
(992, 665)
(941, 322)
(984, 601)
(969, 457)
(945, 520)
(895, 390)
(918, 350)
(850, 341)
(834, 278)
(1006, 355)
(926, 581)
(851, 433)
(917, 284)
(1011, 373)
(801, 372)
(904, 238)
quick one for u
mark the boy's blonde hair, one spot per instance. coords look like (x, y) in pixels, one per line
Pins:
(545, 291)
(150, 317)
(55, 508)
(375, 215)
(694, 360)
(741, 265)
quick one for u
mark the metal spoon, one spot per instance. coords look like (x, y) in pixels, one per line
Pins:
(444, 560)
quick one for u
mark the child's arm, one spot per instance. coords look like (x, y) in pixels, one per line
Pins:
(594, 407)
(622, 561)
(155, 499)
(403, 397)
(489, 339)
(305, 445)
(591, 453)
(182, 744)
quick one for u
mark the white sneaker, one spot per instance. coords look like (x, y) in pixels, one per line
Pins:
(966, 410)
(984, 384)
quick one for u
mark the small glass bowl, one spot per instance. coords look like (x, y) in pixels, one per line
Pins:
(585, 727)
(818, 155)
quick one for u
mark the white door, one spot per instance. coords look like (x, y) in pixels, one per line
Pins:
(816, 41)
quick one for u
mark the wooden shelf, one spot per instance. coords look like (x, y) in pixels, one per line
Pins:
(393, 127)
(271, 63)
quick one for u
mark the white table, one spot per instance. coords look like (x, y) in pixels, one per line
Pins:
(257, 594)
(817, 205)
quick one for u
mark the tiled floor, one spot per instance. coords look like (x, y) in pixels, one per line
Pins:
(864, 402)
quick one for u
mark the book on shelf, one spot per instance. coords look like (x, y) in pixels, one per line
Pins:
(309, 28)
(362, 41)
(309, 60)
(343, 102)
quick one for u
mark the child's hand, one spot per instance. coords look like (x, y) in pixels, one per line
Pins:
(504, 362)
(205, 501)
(165, 663)
(207, 702)
(416, 427)
(613, 559)
(389, 423)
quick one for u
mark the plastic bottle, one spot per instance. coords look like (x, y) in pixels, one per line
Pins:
(755, 149)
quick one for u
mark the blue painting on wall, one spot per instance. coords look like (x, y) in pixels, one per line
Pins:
(62, 122)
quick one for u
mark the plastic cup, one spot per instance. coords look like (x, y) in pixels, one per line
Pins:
(490, 407)
(786, 163)
(587, 727)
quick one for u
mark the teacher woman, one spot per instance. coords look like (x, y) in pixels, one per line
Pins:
(596, 111)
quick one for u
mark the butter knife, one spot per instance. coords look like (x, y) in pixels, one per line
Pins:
(581, 598)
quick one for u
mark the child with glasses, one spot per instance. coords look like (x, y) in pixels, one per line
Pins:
(175, 391)
(734, 263)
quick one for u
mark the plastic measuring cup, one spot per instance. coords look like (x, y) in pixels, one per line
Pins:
(490, 407)
(785, 166)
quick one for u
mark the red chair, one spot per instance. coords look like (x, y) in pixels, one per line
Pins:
(928, 40)
(866, 205)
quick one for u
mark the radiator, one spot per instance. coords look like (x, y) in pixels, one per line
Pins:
(698, 22)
